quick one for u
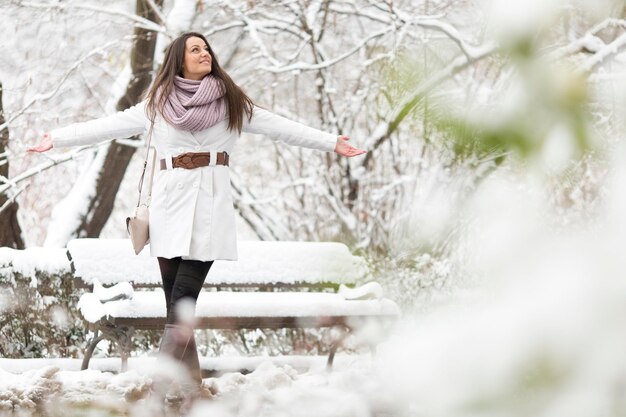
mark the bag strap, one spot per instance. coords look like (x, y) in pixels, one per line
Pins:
(145, 164)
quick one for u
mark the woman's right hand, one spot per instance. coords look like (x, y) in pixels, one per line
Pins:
(45, 145)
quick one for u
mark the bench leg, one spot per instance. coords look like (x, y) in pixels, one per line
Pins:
(92, 346)
(123, 338)
(125, 345)
(336, 342)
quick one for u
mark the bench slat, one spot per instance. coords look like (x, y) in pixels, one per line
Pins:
(151, 304)
(238, 323)
(260, 263)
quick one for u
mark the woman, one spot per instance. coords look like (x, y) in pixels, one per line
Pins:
(193, 108)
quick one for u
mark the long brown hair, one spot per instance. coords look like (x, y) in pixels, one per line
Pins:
(237, 101)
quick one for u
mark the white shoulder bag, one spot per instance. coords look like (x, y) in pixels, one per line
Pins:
(137, 224)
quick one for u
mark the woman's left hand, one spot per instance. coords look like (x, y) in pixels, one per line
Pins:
(345, 149)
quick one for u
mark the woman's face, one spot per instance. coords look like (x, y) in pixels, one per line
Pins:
(197, 62)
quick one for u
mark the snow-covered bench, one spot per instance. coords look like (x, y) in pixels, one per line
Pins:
(273, 285)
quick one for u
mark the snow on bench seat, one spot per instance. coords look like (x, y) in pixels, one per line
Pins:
(112, 260)
(220, 304)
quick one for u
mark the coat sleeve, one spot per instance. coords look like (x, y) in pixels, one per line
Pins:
(290, 132)
(123, 124)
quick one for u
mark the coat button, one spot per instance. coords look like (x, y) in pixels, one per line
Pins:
(197, 148)
(181, 150)
(195, 184)
(179, 185)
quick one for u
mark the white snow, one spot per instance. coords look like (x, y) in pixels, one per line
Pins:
(240, 304)
(371, 290)
(122, 290)
(30, 260)
(26, 391)
(91, 308)
(273, 379)
(144, 364)
(112, 260)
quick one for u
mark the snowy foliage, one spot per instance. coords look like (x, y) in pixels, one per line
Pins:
(39, 316)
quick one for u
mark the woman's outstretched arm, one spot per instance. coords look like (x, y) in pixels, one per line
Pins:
(297, 134)
(124, 124)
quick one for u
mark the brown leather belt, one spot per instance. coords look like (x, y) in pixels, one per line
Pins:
(192, 160)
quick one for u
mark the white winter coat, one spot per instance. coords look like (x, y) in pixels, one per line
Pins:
(191, 213)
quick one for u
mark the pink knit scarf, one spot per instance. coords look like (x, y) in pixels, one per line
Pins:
(195, 105)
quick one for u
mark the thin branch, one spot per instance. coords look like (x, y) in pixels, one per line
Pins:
(140, 22)
(469, 51)
(42, 167)
(347, 217)
(380, 18)
(159, 14)
(221, 28)
(5, 180)
(11, 200)
(252, 30)
(327, 63)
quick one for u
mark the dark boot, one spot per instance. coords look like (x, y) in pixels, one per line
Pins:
(178, 343)
(175, 341)
(191, 361)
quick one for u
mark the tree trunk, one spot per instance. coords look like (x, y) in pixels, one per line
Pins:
(118, 156)
(10, 231)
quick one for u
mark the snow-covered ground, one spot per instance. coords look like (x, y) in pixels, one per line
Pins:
(271, 389)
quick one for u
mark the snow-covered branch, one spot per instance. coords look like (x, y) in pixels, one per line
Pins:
(31, 172)
(345, 216)
(221, 28)
(266, 226)
(469, 51)
(59, 84)
(384, 16)
(159, 14)
(603, 53)
(252, 31)
(589, 42)
(140, 22)
(11, 199)
(303, 66)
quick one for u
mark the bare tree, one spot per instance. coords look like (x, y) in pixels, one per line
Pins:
(10, 231)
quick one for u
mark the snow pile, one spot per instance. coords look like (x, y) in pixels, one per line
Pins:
(120, 291)
(369, 291)
(27, 391)
(84, 387)
(49, 388)
(281, 391)
(91, 308)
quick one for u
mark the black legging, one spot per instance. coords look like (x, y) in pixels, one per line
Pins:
(182, 278)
